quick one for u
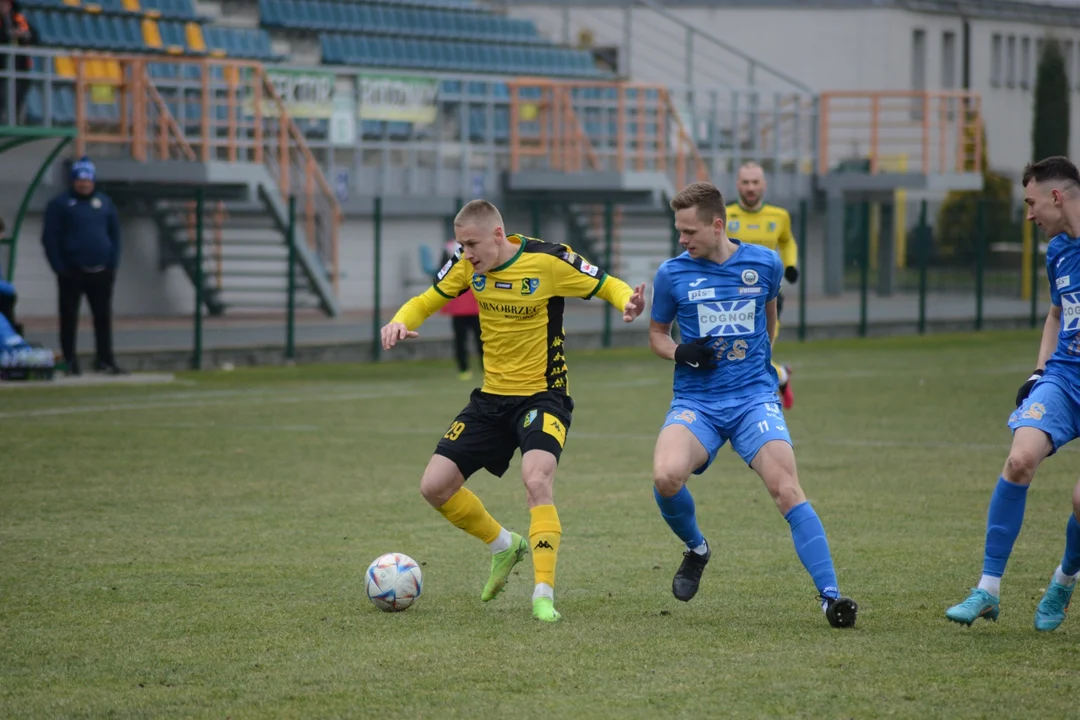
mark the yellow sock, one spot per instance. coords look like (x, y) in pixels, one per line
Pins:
(464, 510)
(544, 534)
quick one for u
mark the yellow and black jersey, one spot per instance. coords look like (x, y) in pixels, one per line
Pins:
(769, 225)
(521, 311)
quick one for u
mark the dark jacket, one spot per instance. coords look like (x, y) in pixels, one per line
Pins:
(81, 232)
(17, 20)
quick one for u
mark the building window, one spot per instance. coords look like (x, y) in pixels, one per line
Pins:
(1010, 61)
(995, 61)
(948, 60)
(918, 71)
(1025, 62)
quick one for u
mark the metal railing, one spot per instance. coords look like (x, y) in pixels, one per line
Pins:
(572, 127)
(679, 40)
(189, 109)
(940, 132)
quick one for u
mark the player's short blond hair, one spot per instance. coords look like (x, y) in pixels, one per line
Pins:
(704, 196)
(752, 165)
(478, 212)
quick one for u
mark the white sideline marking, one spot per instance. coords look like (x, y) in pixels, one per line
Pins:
(271, 396)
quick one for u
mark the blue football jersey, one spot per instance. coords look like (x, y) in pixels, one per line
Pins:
(724, 301)
(1063, 270)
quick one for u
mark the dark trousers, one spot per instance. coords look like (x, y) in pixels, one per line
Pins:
(22, 86)
(98, 288)
(463, 324)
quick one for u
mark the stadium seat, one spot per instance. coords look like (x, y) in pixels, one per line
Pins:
(152, 35)
(194, 36)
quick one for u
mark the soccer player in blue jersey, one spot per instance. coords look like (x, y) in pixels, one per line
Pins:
(1048, 404)
(723, 294)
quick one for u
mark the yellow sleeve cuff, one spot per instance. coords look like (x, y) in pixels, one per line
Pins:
(615, 291)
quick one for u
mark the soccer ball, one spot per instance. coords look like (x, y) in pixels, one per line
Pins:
(393, 582)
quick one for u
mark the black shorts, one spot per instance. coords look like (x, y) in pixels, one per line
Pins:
(779, 304)
(492, 427)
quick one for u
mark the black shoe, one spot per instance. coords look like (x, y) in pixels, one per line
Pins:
(685, 584)
(840, 611)
(109, 369)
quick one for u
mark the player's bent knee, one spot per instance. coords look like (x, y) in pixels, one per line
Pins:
(668, 480)
(538, 473)
(440, 481)
(787, 496)
(1020, 466)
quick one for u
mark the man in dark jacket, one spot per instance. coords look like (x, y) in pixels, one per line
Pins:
(14, 31)
(82, 241)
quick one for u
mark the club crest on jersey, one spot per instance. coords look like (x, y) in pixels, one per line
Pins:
(1070, 311)
(478, 282)
(733, 226)
(726, 319)
(529, 418)
(529, 285)
(772, 227)
(749, 277)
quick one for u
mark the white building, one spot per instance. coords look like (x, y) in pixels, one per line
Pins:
(990, 47)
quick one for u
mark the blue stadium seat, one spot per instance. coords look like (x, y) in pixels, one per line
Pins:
(63, 106)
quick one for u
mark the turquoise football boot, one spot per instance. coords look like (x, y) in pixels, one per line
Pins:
(979, 604)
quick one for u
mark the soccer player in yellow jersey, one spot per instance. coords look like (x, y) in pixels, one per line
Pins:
(751, 220)
(520, 284)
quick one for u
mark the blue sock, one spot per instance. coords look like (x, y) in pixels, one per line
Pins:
(812, 547)
(678, 512)
(1070, 563)
(1003, 522)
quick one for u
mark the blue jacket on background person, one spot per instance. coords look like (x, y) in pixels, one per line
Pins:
(81, 232)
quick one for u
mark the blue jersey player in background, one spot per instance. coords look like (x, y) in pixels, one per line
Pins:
(723, 294)
(1048, 404)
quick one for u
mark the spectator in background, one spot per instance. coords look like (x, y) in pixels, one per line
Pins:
(465, 317)
(14, 31)
(82, 242)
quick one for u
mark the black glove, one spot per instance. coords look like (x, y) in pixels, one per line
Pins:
(1022, 393)
(791, 274)
(699, 354)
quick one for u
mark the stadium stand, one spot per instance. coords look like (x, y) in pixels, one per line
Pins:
(158, 26)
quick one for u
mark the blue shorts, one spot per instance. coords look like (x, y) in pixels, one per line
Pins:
(1050, 408)
(748, 424)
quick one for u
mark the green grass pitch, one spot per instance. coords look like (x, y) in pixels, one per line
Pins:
(197, 550)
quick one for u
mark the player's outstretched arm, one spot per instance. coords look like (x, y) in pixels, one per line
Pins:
(629, 301)
(410, 316)
(635, 305)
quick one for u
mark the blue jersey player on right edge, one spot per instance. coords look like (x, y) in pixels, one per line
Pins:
(1048, 404)
(723, 294)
